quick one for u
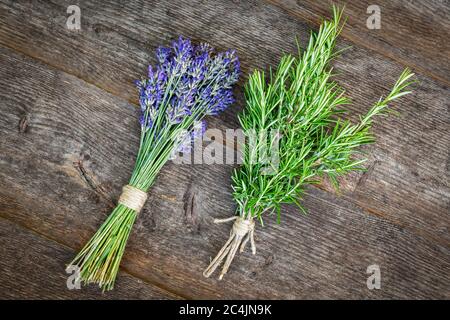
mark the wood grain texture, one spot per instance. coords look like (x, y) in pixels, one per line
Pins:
(414, 33)
(67, 147)
(33, 267)
(408, 181)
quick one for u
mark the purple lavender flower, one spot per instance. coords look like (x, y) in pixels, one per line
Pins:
(163, 55)
(198, 129)
(189, 82)
(183, 144)
(150, 95)
(187, 137)
(178, 109)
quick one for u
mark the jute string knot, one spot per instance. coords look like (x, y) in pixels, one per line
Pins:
(133, 198)
(241, 226)
(243, 230)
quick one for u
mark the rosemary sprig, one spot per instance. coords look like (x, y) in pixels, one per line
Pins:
(301, 102)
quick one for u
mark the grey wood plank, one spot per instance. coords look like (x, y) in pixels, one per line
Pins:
(73, 125)
(413, 32)
(33, 267)
(408, 182)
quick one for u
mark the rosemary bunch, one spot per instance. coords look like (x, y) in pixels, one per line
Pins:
(301, 103)
(188, 83)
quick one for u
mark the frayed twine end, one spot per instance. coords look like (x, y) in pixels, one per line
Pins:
(242, 231)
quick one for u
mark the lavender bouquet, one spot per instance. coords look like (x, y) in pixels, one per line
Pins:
(189, 83)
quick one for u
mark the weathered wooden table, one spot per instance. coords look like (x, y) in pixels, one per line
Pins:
(69, 136)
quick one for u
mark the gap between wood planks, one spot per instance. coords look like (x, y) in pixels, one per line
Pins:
(358, 204)
(123, 269)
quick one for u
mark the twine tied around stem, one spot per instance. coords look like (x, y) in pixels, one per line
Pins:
(242, 231)
(133, 198)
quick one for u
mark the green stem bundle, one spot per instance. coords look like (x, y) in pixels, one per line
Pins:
(100, 258)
